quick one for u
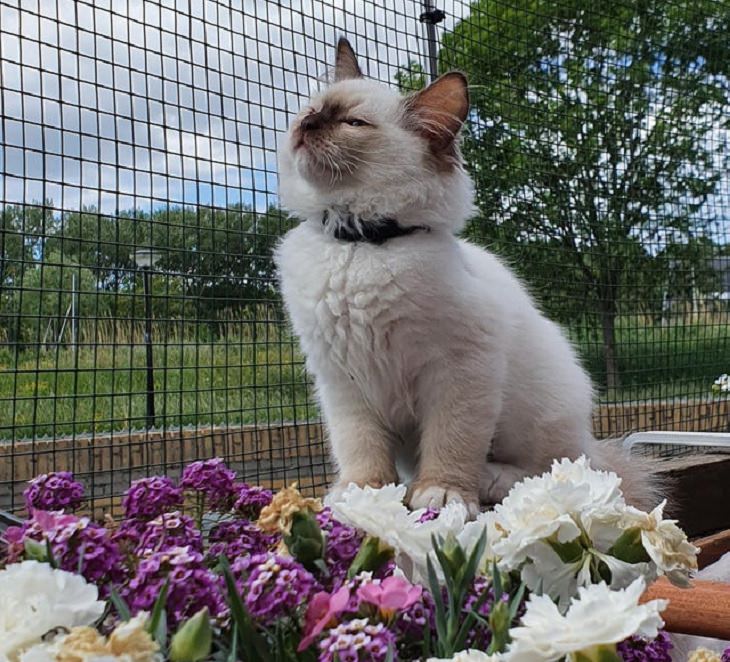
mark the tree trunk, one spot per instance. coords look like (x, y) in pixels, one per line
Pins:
(608, 323)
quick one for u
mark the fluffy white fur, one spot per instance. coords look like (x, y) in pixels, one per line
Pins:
(429, 354)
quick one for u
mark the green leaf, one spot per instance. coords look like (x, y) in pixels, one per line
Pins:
(497, 582)
(516, 601)
(49, 552)
(252, 643)
(157, 625)
(372, 555)
(120, 605)
(440, 618)
(629, 547)
(468, 623)
(233, 654)
(474, 558)
(569, 552)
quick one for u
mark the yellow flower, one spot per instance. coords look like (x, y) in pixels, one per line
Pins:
(133, 640)
(703, 655)
(277, 516)
(129, 641)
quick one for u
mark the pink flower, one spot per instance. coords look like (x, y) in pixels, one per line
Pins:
(323, 609)
(391, 594)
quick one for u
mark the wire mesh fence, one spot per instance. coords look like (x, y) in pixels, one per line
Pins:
(140, 323)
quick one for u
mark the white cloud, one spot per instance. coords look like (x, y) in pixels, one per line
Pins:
(118, 103)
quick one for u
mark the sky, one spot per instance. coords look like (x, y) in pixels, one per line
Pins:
(121, 104)
(130, 103)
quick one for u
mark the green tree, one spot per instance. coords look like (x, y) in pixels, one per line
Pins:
(212, 260)
(23, 229)
(595, 134)
(411, 78)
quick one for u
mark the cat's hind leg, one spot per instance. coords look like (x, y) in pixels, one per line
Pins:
(497, 480)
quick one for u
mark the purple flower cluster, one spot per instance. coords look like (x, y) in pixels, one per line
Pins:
(237, 538)
(276, 586)
(726, 655)
(191, 585)
(248, 500)
(342, 545)
(479, 636)
(170, 530)
(211, 478)
(357, 640)
(148, 498)
(410, 623)
(636, 649)
(54, 491)
(76, 543)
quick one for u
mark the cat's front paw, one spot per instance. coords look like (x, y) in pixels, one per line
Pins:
(433, 495)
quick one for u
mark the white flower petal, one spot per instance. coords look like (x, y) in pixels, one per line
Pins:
(37, 598)
(597, 616)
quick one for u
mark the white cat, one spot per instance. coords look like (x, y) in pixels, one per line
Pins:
(431, 360)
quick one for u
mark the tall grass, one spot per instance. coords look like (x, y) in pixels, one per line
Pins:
(255, 373)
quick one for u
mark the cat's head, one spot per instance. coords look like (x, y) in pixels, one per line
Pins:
(363, 145)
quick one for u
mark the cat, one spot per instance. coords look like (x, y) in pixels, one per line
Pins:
(432, 363)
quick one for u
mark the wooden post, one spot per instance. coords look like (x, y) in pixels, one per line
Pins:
(703, 610)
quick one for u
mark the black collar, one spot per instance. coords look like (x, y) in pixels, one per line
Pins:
(348, 227)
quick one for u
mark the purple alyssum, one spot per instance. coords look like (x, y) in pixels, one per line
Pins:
(148, 498)
(53, 491)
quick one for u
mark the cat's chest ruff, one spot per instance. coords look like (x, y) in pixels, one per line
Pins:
(358, 284)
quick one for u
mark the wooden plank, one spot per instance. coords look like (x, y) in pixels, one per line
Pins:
(703, 610)
(712, 548)
(697, 492)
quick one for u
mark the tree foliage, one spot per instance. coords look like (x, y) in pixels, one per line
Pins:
(213, 263)
(596, 140)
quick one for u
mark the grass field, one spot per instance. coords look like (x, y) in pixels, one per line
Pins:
(261, 379)
(103, 388)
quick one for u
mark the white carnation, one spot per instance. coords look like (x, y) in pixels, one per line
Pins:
(37, 598)
(382, 512)
(665, 543)
(598, 616)
(569, 500)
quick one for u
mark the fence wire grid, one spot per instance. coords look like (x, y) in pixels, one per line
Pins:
(140, 323)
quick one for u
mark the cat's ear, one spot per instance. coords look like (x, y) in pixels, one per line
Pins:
(439, 111)
(346, 65)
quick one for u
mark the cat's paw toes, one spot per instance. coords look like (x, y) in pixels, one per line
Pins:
(437, 496)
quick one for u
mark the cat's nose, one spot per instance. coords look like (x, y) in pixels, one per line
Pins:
(311, 122)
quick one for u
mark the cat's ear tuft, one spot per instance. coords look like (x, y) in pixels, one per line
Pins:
(346, 65)
(439, 111)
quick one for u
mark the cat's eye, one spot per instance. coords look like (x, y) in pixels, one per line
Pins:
(355, 122)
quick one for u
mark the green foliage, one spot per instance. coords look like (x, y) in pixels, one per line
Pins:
(213, 264)
(411, 78)
(305, 540)
(459, 572)
(193, 640)
(249, 640)
(372, 555)
(592, 140)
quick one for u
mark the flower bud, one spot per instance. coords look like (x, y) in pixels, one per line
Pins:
(193, 640)
(35, 551)
(305, 541)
